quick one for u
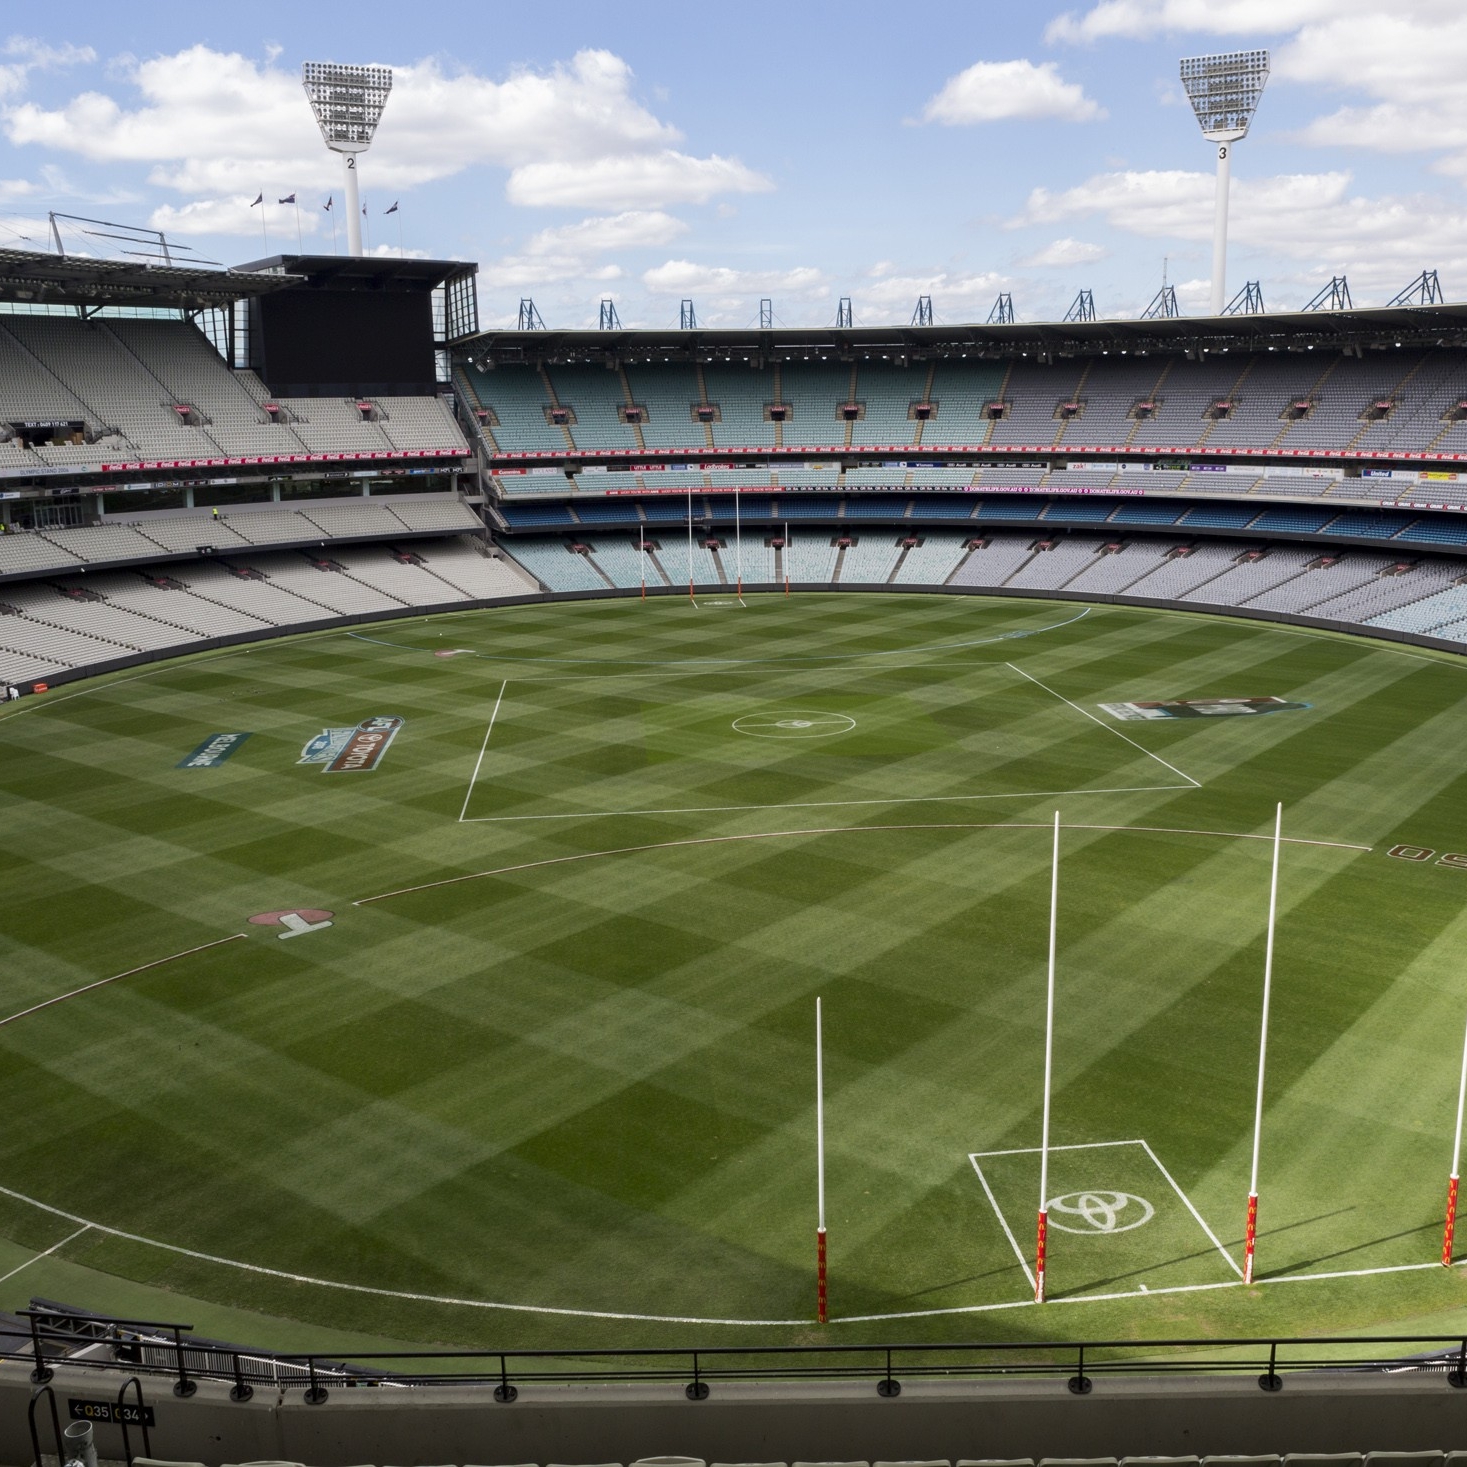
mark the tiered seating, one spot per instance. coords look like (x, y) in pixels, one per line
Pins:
(182, 360)
(1250, 578)
(114, 384)
(810, 557)
(870, 560)
(517, 397)
(1053, 569)
(887, 393)
(931, 562)
(814, 389)
(596, 395)
(1113, 573)
(668, 397)
(961, 390)
(419, 422)
(334, 425)
(556, 566)
(741, 393)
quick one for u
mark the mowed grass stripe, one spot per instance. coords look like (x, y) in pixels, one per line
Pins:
(591, 1085)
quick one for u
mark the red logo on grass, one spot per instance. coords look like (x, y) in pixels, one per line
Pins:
(295, 920)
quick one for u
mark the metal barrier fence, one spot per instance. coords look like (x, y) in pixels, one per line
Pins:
(166, 1351)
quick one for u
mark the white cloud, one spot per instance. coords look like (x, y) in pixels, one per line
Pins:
(1144, 19)
(567, 251)
(635, 181)
(25, 54)
(1066, 252)
(685, 278)
(236, 216)
(215, 124)
(1312, 219)
(990, 91)
(891, 293)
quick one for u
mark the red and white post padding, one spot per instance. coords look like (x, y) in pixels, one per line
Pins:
(1040, 1248)
(821, 1302)
(1250, 1237)
(1451, 1227)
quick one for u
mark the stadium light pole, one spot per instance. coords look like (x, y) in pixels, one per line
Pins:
(348, 103)
(1224, 92)
(1451, 1229)
(1250, 1236)
(820, 1297)
(1041, 1245)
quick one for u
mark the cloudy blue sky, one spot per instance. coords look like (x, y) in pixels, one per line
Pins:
(652, 151)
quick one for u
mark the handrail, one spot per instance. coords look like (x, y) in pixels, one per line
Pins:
(1080, 1363)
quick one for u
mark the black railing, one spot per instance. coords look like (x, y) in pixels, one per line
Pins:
(159, 1350)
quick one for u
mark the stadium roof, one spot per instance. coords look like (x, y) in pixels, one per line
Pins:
(363, 272)
(1384, 327)
(38, 277)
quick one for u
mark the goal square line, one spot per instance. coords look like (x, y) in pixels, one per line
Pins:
(1092, 1213)
(464, 818)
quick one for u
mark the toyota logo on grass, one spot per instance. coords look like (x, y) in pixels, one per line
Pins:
(1099, 1212)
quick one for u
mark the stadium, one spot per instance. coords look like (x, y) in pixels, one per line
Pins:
(816, 804)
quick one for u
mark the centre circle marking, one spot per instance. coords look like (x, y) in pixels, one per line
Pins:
(1100, 1212)
(793, 723)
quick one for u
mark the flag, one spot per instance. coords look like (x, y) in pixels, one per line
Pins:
(327, 205)
(364, 211)
(288, 199)
(393, 209)
(259, 199)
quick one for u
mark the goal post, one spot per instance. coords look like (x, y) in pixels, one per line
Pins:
(1041, 1245)
(1250, 1235)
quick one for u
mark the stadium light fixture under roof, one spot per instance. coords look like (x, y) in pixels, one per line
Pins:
(348, 103)
(1224, 92)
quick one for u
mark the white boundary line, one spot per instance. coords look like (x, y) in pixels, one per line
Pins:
(1196, 784)
(705, 662)
(36, 1008)
(301, 1278)
(1192, 784)
(260, 1269)
(1127, 789)
(1187, 1203)
(975, 1156)
(716, 840)
(1003, 1222)
(85, 1228)
(473, 778)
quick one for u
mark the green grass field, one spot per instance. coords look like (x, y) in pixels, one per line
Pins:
(556, 1049)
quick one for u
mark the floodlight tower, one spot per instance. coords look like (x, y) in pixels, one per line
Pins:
(348, 103)
(1224, 91)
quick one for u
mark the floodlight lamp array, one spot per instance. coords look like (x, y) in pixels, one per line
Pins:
(1224, 91)
(347, 101)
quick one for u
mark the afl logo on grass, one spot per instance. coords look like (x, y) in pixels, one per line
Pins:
(1099, 1212)
(347, 750)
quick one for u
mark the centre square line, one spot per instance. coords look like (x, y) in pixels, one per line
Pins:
(464, 818)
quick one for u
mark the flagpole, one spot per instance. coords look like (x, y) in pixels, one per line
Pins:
(1042, 1242)
(1447, 1237)
(264, 234)
(786, 557)
(691, 597)
(331, 200)
(643, 563)
(1251, 1232)
(299, 242)
(820, 1289)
